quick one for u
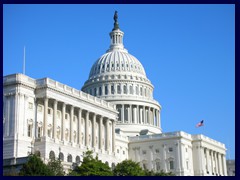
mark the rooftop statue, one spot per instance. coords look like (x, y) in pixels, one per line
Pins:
(115, 16)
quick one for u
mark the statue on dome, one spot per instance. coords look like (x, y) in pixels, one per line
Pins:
(116, 26)
(115, 16)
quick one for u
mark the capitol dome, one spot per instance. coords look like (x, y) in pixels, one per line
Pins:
(120, 78)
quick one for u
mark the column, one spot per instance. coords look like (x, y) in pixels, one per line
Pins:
(63, 121)
(144, 114)
(140, 115)
(79, 126)
(45, 116)
(207, 161)
(219, 164)
(134, 114)
(93, 130)
(203, 161)
(130, 114)
(54, 119)
(113, 136)
(86, 128)
(211, 157)
(107, 134)
(100, 132)
(122, 113)
(216, 163)
(149, 116)
(224, 165)
(71, 124)
(137, 116)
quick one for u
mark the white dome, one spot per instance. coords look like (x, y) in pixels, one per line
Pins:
(117, 62)
(118, 77)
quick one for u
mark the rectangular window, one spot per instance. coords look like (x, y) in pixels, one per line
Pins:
(171, 163)
(144, 152)
(30, 105)
(131, 89)
(100, 91)
(39, 132)
(170, 149)
(187, 164)
(123, 152)
(118, 89)
(49, 111)
(125, 89)
(157, 150)
(106, 90)
(29, 130)
(112, 89)
(95, 91)
(58, 114)
(39, 108)
(66, 116)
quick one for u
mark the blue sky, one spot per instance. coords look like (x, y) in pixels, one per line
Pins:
(187, 51)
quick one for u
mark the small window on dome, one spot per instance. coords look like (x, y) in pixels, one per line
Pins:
(122, 65)
(108, 66)
(136, 90)
(106, 90)
(117, 65)
(131, 89)
(127, 65)
(100, 91)
(112, 89)
(118, 89)
(125, 89)
(112, 65)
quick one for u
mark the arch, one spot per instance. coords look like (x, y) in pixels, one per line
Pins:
(52, 155)
(77, 160)
(61, 156)
(107, 163)
(69, 158)
(113, 166)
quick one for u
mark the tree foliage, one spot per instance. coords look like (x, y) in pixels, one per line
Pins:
(161, 173)
(128, 168)
(56, 167)
(91, 167)
(35, 167)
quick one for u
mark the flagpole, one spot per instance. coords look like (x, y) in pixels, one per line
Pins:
(24, 60)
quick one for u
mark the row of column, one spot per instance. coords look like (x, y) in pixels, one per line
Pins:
(79, 133)
(139, 114)
(213, 162)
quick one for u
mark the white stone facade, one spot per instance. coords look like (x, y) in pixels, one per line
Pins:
(115, 115)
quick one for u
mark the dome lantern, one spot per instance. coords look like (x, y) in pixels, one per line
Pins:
(116, 36)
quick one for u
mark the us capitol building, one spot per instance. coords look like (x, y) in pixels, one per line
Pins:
(114, 114)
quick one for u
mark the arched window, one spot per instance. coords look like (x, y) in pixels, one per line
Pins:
(141, 91)
(61, 156)
(107, 163)
(77, 159)
(113, 166)
(69, 158)
(51, 155)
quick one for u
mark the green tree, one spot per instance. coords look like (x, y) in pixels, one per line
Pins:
(56, 167)
(91, 167)
(35, 167)
(128, 168)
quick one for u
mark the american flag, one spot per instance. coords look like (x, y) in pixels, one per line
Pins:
(200, 124)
